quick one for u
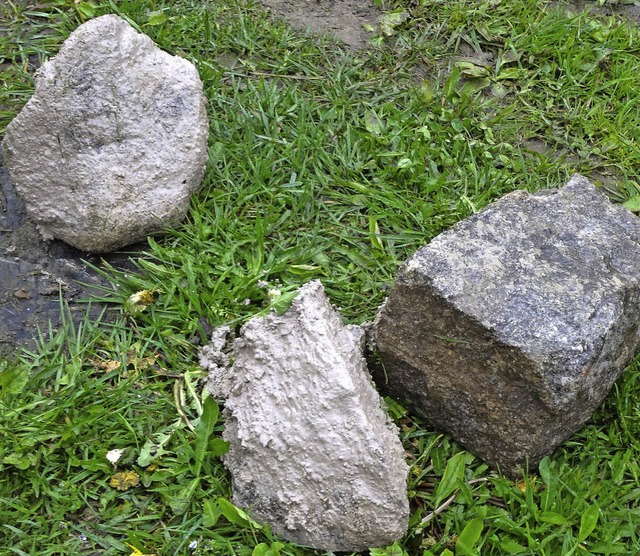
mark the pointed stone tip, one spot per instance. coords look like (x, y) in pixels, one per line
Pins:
(311, 451)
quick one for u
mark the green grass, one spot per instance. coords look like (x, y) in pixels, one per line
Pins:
(332, 165)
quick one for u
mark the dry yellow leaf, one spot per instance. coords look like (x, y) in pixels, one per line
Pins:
(139, 301)
(124, 480)
(107, 365)
(145, 362)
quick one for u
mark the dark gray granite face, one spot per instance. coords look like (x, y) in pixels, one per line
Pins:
(509, 329)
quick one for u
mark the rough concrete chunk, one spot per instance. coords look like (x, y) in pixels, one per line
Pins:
(311, 451)
(113, 142)
(508, 330)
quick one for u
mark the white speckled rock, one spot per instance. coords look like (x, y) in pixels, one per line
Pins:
(312, 453)
(113, 142)
(510, 328)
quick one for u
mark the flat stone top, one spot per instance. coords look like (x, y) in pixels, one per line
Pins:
(540, 270)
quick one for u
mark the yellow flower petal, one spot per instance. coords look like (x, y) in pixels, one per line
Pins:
(136, 552)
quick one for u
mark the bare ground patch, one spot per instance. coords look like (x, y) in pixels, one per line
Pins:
(346, 20)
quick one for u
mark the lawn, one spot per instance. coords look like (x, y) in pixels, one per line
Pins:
(330, 164)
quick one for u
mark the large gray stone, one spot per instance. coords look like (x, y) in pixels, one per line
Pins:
(311, 453)
(510, 328)
(113, 142)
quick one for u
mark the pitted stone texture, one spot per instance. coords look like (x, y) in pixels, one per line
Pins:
(312, 453)
(113, 142)
(509, 329)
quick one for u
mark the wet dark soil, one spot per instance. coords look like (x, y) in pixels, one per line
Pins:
(626, 10)
(35, 275)
(347, 20)
(350, 20)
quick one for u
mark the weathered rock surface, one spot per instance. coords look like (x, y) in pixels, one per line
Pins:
(113, 142)
(509, 329)
(311, 451)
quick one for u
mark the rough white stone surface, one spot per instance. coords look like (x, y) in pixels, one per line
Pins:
(312, 453)
(216, 361)
(113, 142)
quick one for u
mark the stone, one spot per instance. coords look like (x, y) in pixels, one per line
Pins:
(113, 143)
(312, 453)
(216, 361)
(508, 330)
